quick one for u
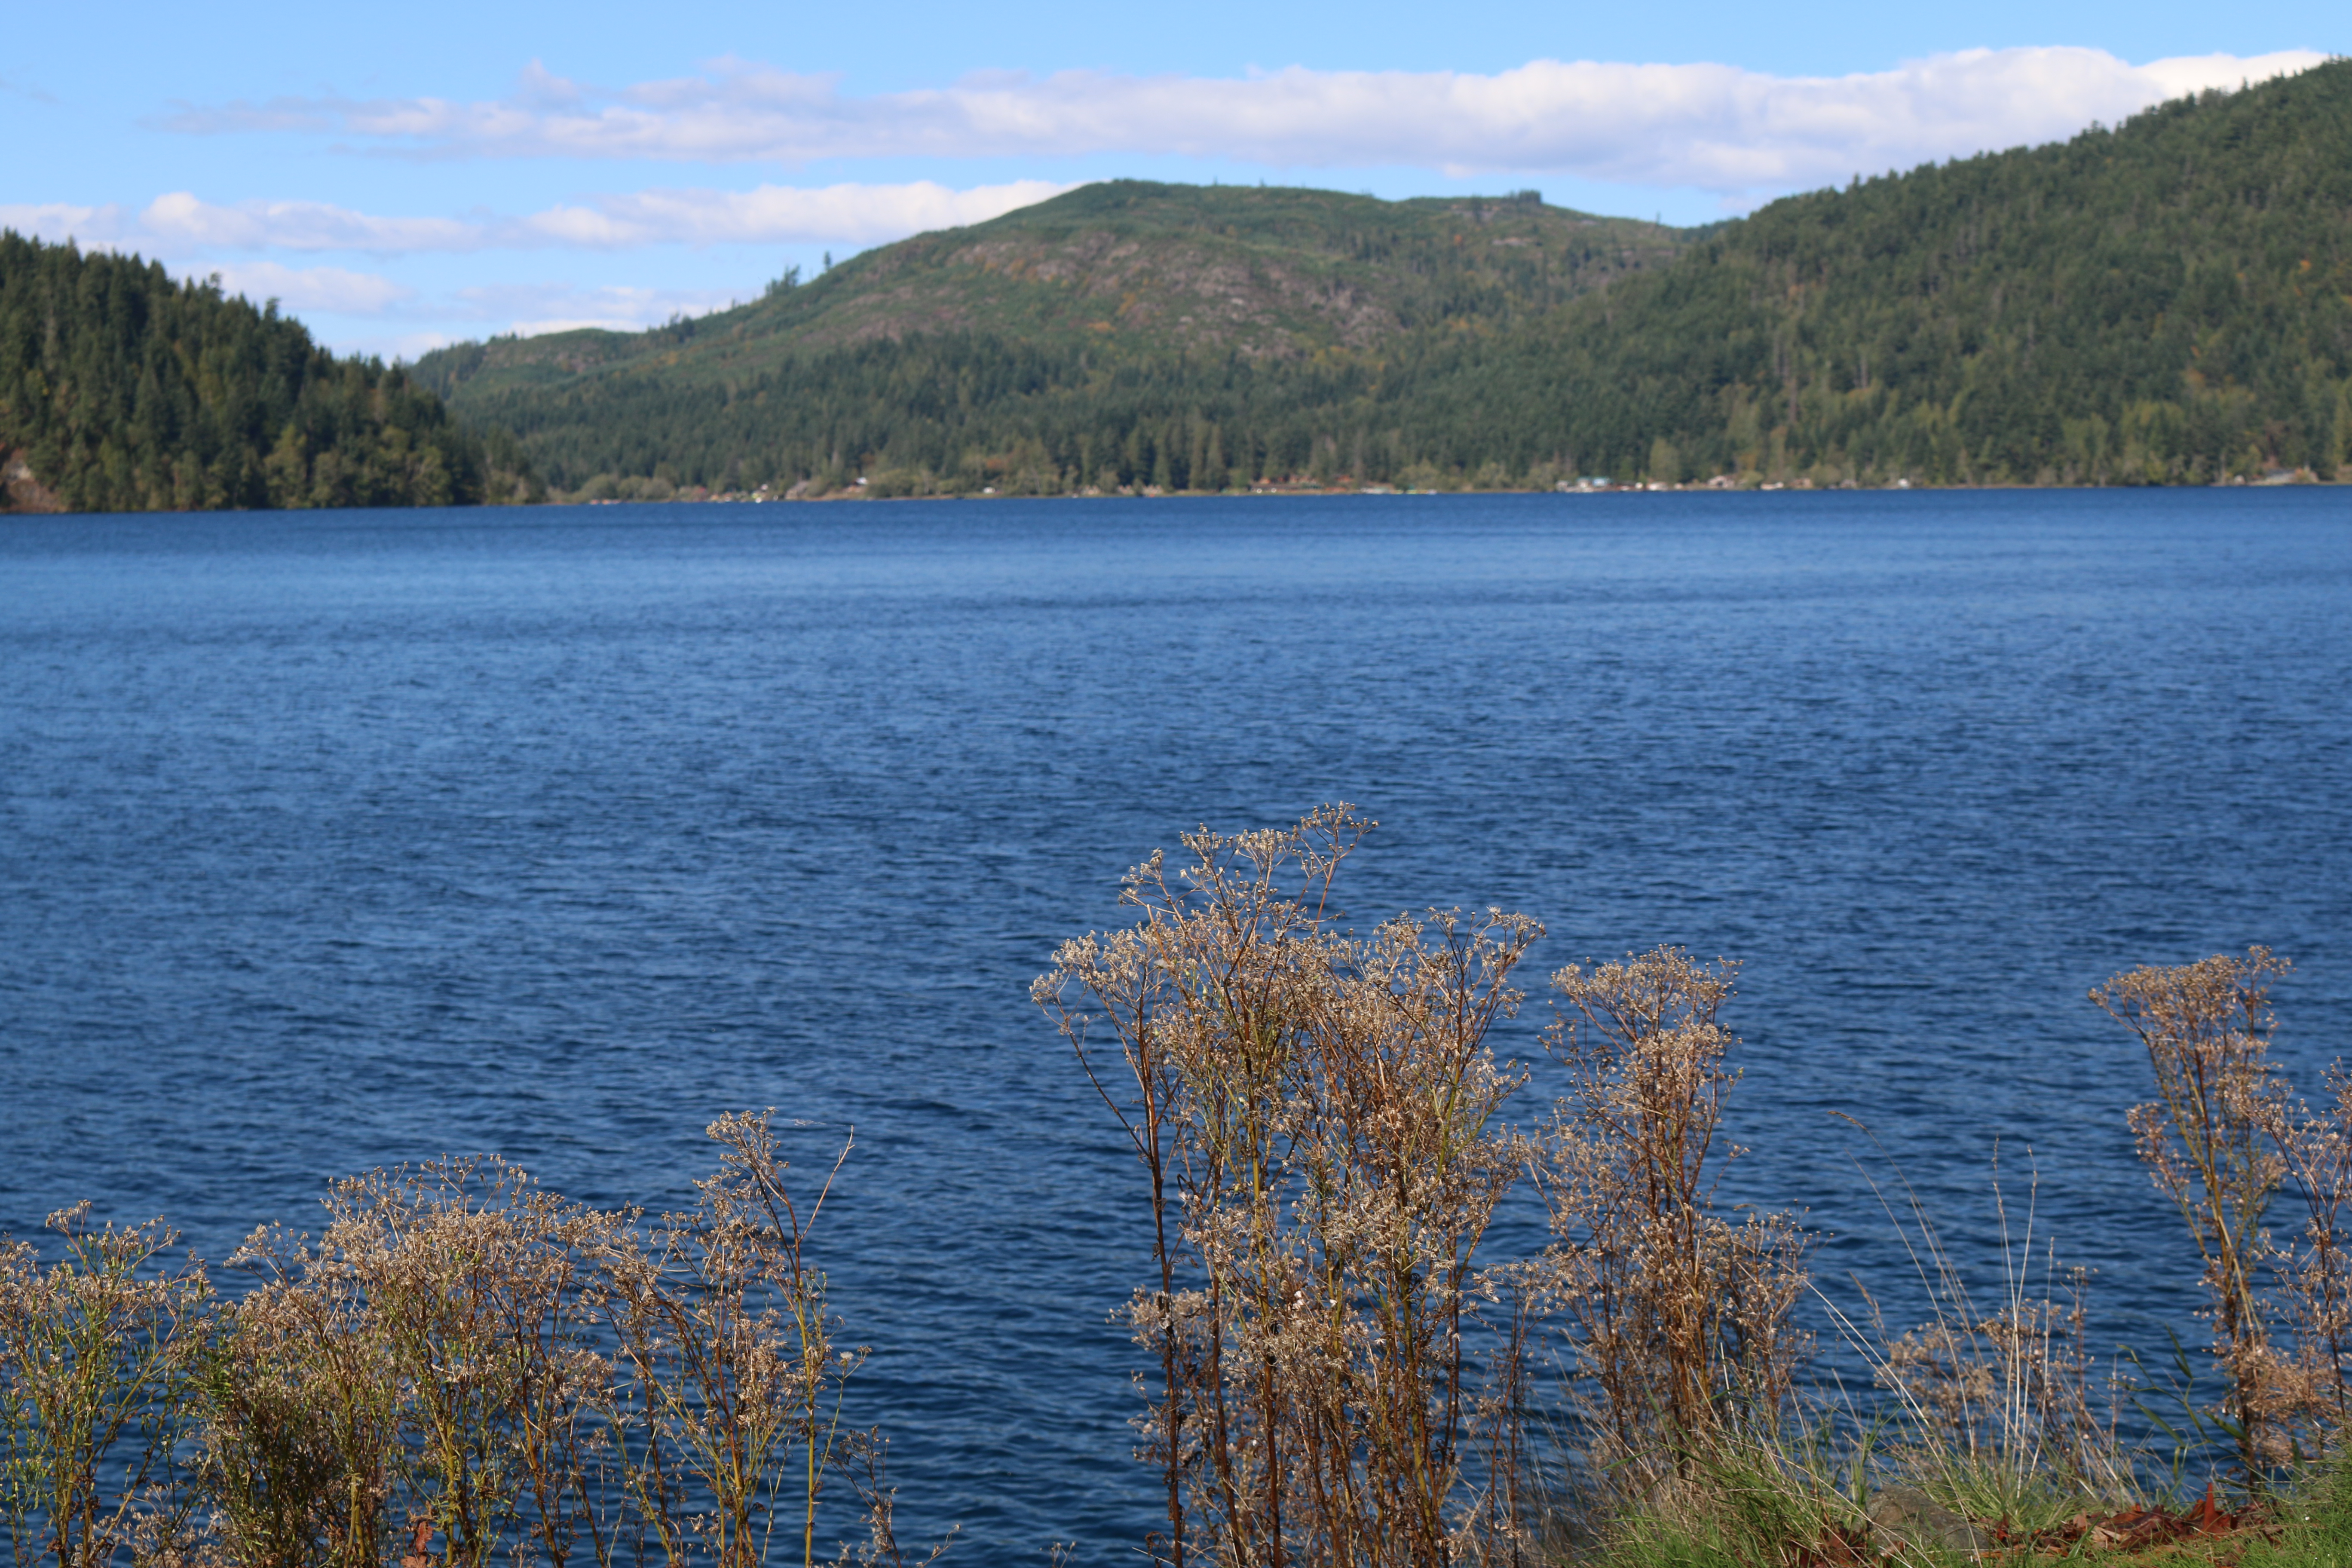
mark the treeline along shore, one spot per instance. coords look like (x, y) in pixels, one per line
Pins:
(2164, 301)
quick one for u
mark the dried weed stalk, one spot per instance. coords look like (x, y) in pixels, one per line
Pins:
(2224, 1136)
(727, 1384)
(471, 1283)
(96, 1363)
(2207, 1139)
(1679, 1318)
(1317, 1117)
(301, 1417)
(2313, 1404)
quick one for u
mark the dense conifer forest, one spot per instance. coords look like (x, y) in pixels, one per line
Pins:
(121, 390)
(2169, 301)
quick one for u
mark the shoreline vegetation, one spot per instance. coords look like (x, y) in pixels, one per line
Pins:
(462, 1368)
(655, 493)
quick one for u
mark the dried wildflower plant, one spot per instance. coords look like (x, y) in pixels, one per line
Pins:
(2207, 1142)
(727, 1383)
(1678, 1317)
(461, 1368)
(1318, 1115)
(2225, 1135)
(98, 1356)
(2313, 1403)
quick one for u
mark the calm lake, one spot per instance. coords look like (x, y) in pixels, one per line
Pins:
(333, 841)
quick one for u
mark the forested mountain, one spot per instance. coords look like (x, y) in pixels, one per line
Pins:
(1132, 332)
(123, 391)
(2166, 300)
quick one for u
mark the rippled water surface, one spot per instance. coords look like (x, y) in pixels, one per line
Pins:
(334, 840)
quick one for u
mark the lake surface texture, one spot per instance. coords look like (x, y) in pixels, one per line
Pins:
(330, 841)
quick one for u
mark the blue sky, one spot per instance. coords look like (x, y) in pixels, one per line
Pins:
(407, 176)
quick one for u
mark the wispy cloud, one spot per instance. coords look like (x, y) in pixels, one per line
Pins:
(530, 309)
(182, 219)
(94, 227)
(524, 308)
(850, 215)
(331, 289)
(1711, 127)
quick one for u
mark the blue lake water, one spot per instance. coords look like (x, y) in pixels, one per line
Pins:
(334, 840)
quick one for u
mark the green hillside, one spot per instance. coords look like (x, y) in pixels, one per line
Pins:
(2170, 300)
(123, 391)
(2166, 301)
(1183, 335)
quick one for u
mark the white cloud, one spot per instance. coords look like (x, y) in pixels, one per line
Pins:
(91, 227)
(530, 309)
(1713, 127)
(181, 219)
(315, 287)
(119, 228)
(853, 215)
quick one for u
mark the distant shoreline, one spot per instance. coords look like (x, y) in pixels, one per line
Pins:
(2281, 480)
